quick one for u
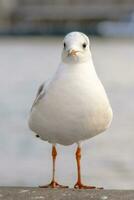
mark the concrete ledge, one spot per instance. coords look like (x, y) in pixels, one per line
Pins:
(27, 193)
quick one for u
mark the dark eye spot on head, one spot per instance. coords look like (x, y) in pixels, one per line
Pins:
(37, 136)
(64, 45)
(84, 45)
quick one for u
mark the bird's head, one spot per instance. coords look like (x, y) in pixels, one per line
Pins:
(75, 48)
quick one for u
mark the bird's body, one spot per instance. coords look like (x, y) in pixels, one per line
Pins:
(73, 105)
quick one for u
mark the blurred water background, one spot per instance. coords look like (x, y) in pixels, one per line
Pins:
(27, 60)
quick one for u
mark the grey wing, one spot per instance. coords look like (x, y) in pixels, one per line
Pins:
(39, 95)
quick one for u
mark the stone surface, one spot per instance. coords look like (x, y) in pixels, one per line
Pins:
(27, 193)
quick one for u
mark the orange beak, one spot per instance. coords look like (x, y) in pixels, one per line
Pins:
(72, 52)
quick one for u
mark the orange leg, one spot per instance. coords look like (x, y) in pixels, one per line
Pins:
(79, 184)
(53, 183)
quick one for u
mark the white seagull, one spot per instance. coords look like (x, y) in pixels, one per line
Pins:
(73, 105)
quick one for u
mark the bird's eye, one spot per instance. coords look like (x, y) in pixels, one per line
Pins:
(84, 45)
(64, 45)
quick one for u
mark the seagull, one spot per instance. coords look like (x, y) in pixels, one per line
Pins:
(73, 105)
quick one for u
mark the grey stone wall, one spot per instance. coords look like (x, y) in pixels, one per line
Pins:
(7, 193)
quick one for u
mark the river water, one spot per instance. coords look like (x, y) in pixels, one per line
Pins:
(107, 159)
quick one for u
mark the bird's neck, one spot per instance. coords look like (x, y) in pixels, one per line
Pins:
(86, 68)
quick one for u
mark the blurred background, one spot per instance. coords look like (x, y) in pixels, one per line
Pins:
(31, 34)
(39, 17)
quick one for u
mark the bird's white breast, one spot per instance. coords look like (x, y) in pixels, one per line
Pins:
(75, 106)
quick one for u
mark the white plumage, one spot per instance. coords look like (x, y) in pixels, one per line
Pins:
(73, 105)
